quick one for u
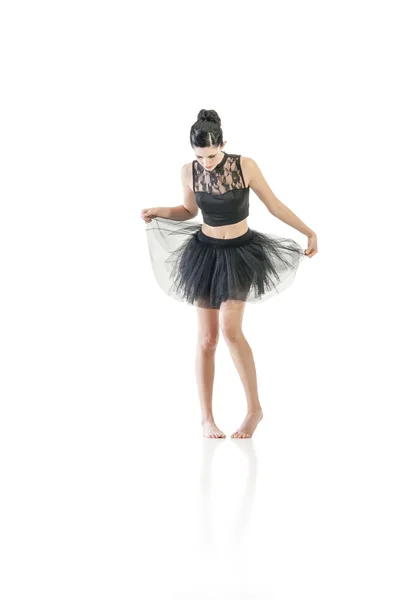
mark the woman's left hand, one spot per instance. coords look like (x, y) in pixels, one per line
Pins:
(312, 246)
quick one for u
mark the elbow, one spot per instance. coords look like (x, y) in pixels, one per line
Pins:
(191, 214)
(276, 209)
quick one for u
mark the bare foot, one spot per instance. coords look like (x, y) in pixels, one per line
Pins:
(248, 425)
(210, 430)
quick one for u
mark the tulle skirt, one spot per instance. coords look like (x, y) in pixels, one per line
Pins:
(204, 271)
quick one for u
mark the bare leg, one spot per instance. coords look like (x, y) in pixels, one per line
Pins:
(231, 313)
(208, 336)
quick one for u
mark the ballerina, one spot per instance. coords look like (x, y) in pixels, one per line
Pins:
(221, 264)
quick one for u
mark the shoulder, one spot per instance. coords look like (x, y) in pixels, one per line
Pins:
(186, 173)
(249, 163)
(249, 168)
(186, 170)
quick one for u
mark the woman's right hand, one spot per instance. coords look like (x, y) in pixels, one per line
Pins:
(148, 214)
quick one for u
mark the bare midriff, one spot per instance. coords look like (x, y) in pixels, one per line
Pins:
(226, 232)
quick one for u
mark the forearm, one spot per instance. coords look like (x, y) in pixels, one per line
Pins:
(286, 215)
(178, 213)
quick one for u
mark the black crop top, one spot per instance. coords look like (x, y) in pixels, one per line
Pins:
(220, 193)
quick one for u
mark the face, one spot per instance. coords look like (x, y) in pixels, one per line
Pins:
(209, 157)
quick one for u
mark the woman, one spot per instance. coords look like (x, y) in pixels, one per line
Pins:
(221, 264)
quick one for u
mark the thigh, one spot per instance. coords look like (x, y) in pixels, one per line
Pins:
(208, 320)
(231, 315)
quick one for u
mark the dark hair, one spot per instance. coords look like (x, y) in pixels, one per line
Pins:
(207, 130)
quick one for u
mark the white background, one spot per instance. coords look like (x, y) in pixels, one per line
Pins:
(108, 489)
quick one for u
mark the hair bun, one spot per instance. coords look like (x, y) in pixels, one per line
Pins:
(209, 115)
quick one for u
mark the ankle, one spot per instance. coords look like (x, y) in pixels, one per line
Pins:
(255, 410)
(207, 419)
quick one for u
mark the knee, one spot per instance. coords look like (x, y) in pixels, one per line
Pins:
(231, 333)
(208, 341)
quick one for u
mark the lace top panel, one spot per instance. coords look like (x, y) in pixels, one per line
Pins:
(227, 175)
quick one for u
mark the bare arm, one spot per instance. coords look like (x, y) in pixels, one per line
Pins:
(189, 208)
(259, 185)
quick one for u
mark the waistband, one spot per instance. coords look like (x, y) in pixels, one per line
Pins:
(226, 242)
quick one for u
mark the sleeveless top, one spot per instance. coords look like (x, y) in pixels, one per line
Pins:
(221, 194)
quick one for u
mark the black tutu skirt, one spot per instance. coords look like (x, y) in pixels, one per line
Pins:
(204, 271)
